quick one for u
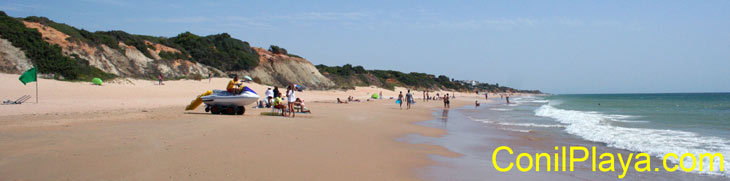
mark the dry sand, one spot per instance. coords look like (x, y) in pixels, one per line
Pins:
(138, 131)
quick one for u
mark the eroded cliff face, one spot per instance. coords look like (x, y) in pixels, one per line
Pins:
(12, 59)
(281, 70)
(273, 69)
(127, 63)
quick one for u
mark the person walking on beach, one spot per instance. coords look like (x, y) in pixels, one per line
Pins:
(380, 96)
(400, 99)
(210, 77)
(486, 95)
(159, 80)
(409, 98)
(507, 97)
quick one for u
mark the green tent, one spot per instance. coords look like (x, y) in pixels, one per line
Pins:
(96, 81)
(375, 96)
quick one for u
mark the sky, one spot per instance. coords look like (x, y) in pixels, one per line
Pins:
(555, 46)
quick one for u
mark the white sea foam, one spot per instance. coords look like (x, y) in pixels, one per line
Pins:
(516, 130)
(500, 109)
(656, 142)
(532, 125)
(518, 124)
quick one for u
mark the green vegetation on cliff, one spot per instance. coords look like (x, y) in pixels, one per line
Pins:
(46, 57)
(220, 51)
(348, 76)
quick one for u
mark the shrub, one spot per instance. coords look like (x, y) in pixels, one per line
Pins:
(277, 50)
(48, 58)
(219, 51)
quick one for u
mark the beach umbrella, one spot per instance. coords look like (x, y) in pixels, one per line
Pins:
(96, 81)
(375, 96)
(300, 87)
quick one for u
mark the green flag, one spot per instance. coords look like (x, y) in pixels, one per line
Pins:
(28, 76)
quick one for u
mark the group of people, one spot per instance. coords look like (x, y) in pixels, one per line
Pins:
(275, 99)
(408, 99)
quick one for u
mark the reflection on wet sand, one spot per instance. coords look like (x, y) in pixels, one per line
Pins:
(445, 116)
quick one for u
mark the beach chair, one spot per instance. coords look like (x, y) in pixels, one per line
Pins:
(20, 100)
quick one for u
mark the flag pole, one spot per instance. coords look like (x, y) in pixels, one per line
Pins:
(36, 87)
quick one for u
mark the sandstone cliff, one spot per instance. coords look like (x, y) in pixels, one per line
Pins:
(12, 59)
(281, 70)
(129, 61)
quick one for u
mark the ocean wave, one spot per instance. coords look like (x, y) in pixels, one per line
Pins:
(532, 125)
(518, 124)
(500, 109)
(656, 142)
(517, 130)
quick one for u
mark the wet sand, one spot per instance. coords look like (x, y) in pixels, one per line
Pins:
(477, 141)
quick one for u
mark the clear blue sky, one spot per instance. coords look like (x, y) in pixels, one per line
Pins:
(555, 46)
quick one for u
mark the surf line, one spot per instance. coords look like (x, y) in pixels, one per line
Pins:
(607, 161)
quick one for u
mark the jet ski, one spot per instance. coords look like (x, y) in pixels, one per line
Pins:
(224, 102)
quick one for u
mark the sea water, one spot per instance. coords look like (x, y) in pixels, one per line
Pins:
(656, 124)
(651, 123)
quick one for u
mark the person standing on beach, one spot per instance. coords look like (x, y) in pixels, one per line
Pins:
(427, 96)
(486, 95)
(409, 98)
(210, 77)
(400, 99)
(424, 96)
(291, 97)
(446, 101)
(276, 92)
(507, 97)
(380, 96)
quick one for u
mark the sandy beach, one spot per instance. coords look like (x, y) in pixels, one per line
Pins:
(137, 130)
